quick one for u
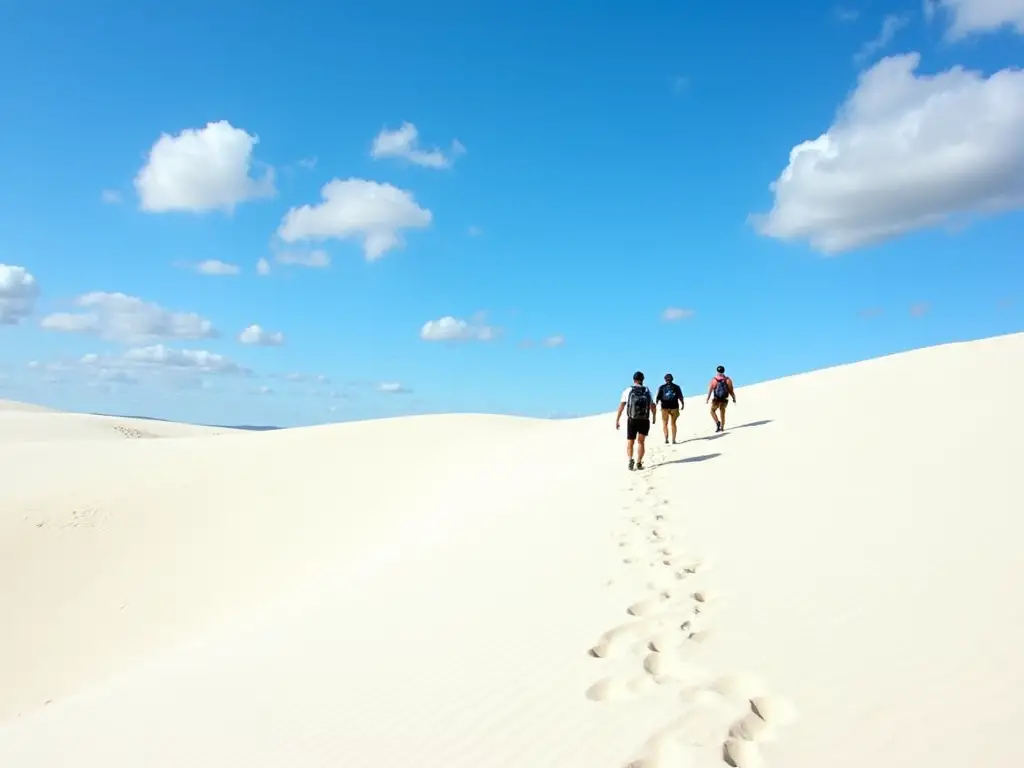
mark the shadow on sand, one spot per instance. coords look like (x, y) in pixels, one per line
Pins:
(751, 424)
(688, 460)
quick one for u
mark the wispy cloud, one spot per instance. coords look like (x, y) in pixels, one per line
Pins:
(891, 24)
(846, 15)
(673, 314)
(920, 309)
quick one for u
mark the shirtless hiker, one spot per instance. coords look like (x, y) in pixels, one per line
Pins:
(719, 391)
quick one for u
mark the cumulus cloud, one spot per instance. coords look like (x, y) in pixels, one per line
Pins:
(905, 152)
(261, 337)
(202, 169)
(392, 388)
(18, 293)
(157, 364)
(198, 360)
(404, 143)
(128, 319)
(450, 328)
(216, 267)
(355, 208)
(891, 24)
(263, 267)
(967, 17)
(671, 314)
(316, 259)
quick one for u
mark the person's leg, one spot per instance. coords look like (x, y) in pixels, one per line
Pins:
(629, 449)
(643, 429)
(665, 414)
(630, 438)
(714, 414)
(725, 403)
(674, 416)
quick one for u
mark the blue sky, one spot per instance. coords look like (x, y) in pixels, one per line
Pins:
(578, 171)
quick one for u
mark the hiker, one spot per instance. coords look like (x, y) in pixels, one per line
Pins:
(719, 391)
(640, 410)
(670, 396)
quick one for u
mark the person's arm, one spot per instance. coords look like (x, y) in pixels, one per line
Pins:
(682, 401)
(618, 413)
(711, 388)
(732, 391)
(654, 406)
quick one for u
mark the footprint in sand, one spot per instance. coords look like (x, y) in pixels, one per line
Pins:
(620, 688)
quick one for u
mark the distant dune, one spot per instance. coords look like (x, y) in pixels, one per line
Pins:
(834, 581)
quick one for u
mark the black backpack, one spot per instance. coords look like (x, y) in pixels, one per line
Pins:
(721, 389)
(638, 404)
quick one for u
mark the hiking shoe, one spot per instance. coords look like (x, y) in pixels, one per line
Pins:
(639, 465)
(630, 465)
(666, 441)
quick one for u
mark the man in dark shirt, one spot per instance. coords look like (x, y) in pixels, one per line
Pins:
(670, 395)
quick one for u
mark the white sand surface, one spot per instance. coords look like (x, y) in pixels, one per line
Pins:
(836, 581)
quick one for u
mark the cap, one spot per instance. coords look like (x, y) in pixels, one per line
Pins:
(720, 369)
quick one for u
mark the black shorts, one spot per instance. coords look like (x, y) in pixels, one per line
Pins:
(636, 427)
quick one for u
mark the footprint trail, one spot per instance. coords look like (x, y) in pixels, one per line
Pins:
(717, 718)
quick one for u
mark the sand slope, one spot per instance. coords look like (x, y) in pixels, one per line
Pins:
(833, 581)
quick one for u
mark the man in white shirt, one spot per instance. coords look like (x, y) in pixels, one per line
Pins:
(638, 403)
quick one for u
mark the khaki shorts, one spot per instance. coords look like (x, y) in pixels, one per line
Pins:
(716, 403)
(669, 412)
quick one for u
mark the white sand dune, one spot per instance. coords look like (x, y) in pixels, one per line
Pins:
(834, 581)
(25, 423)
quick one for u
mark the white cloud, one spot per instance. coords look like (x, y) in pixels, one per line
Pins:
(891, 24)
(180, 368)
(315, 259)
(978, 16)
(110, 196)
(677, 313)
(554, 341)
(404, 143)
(307, 163)
(202, 169)
(128, 319)
(847, 15)
(263, 267)
(198, 360)
(261, 337)
(264, 390)
(18, 293)
(217, 267)
(374, 212)
(392, 388)
(904, 152)
(449, 328)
